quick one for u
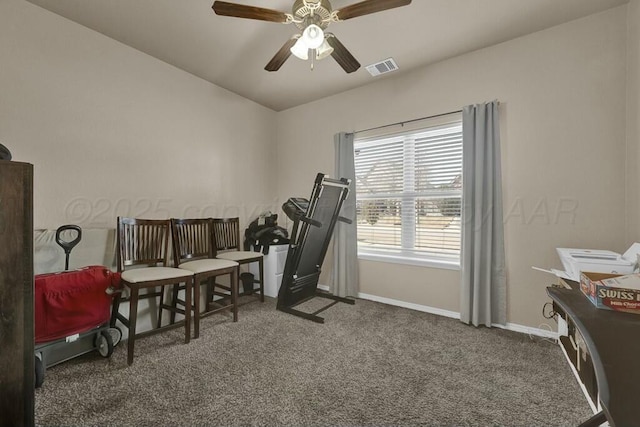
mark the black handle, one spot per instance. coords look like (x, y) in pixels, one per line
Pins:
(345, 220)
(68, 246)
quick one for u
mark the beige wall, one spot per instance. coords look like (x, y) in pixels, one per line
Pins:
(633, 122)
(112, 131)
(562, 94)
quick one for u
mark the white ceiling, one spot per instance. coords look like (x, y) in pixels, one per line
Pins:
(232, 52)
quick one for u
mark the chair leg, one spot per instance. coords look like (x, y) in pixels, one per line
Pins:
(174, 302)
(211, 283)
(160, 304)
(115, 307)
(196, 307)
(187, 309)
(133, 316)
(234, 294)
(261, 273)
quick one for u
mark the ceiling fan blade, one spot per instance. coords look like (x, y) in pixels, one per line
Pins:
(250, 12)
(281, 56)
(369, 6)
(342, 56)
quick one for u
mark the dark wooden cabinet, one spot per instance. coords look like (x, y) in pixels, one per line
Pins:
(608, 365)
(17, 369)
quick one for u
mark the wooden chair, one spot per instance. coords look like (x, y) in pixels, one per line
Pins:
(142, 256)
(194, 251)
(227, 238)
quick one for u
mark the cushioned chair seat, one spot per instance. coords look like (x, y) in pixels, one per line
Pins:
(238, 255)
(146, 274)
(142, 255)
(202, 265)
(194, 251)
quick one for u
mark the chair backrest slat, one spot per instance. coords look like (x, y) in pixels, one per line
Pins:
(142, 242)
(227, 233)
(192, 239)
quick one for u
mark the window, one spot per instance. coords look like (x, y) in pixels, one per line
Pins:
(409, 193)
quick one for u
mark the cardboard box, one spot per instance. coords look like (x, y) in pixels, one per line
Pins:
(604, 291)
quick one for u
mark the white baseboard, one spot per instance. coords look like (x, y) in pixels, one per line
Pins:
(454, 315)
(544, 333)
(410, 305)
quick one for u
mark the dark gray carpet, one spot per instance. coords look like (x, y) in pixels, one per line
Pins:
(368, 365)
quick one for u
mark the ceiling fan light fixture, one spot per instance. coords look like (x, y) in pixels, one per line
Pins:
(324, 50)
(311, 17)
(312, 36)
(300, 50)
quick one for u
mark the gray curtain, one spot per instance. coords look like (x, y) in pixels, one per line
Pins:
(345, 237)
(483, 293)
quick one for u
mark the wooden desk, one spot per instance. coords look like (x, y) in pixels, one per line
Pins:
(613, 342)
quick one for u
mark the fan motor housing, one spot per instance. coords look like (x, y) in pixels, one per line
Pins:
(322, 13)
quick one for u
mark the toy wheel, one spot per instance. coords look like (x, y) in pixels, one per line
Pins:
(104, 344)
(116, 335)
(39, 372)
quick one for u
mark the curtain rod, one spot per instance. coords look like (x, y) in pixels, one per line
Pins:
(409, 121)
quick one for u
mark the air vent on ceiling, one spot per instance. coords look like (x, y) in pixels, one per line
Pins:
(382, 67)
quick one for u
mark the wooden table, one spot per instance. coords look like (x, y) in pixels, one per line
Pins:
(613, 343)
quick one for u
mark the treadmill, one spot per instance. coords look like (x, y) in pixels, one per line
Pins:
(313, 224)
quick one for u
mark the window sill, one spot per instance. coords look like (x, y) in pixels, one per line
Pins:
(396, 259)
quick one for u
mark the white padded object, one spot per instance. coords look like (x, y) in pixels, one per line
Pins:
(238, 255)
(153, 273)
(210, 264)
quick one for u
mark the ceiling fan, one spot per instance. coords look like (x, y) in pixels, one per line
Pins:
(311, 17)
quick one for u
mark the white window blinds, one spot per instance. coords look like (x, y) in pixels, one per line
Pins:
(409, 189)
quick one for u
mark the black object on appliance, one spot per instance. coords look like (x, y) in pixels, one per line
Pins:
(5, 154)
(313, 224)
(263, 232)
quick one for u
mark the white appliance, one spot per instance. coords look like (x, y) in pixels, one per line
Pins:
(273, 264)
(575, 261)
